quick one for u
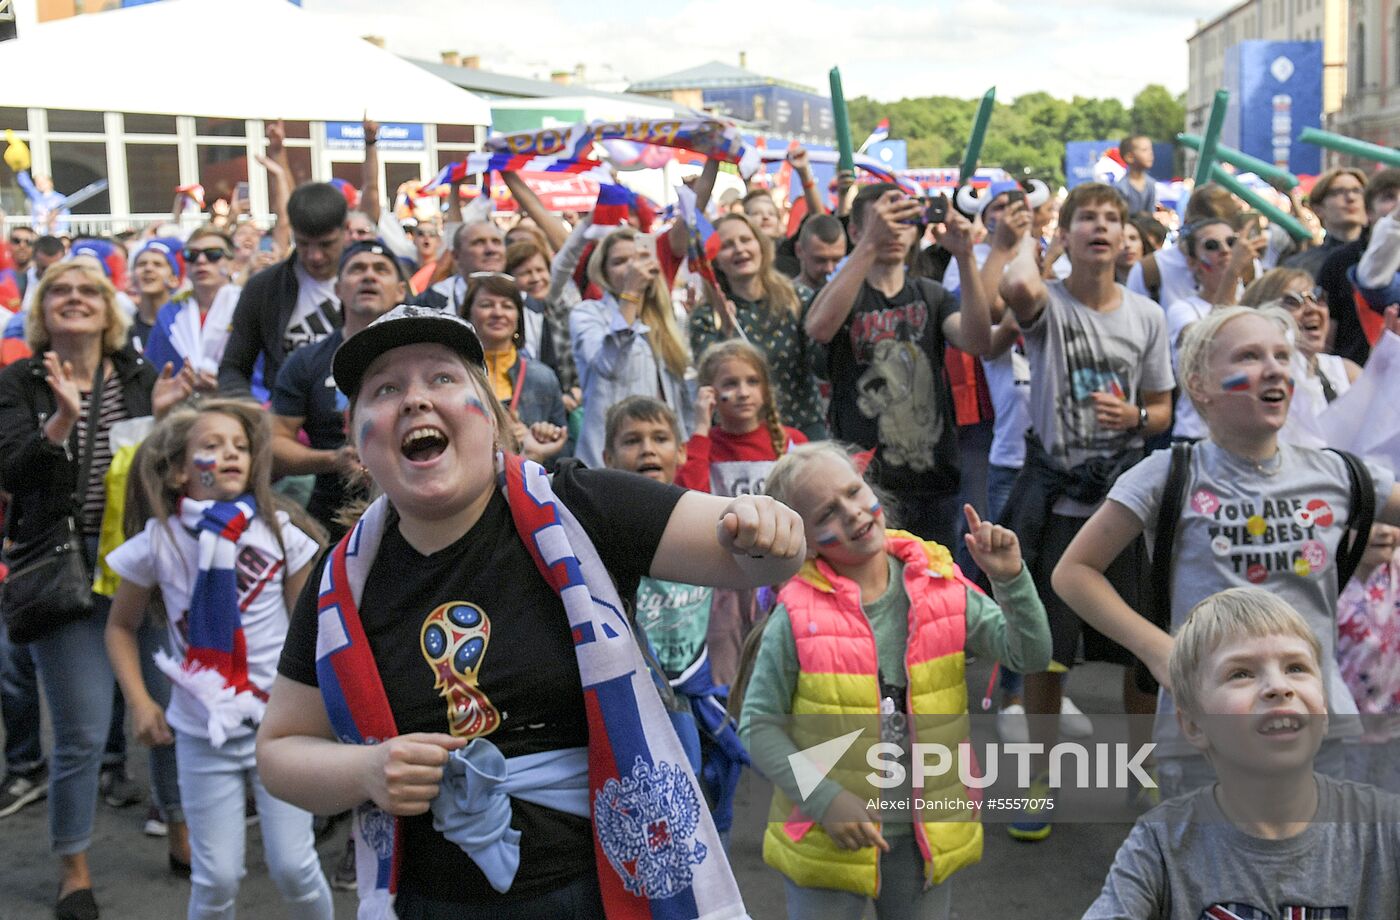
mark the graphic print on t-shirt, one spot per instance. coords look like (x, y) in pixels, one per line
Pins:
(313, 327)
(1290, 912)
(453, 641)
(898, 387)
(1266, 536)
(1090, 371)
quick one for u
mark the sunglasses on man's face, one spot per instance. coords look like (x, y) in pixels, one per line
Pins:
(1224, 245)
(21, 241)
(214, 255)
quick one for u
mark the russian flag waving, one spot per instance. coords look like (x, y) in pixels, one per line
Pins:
(881, 133)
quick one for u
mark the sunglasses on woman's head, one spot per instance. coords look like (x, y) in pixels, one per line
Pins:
(1219, 245)
(213, 255)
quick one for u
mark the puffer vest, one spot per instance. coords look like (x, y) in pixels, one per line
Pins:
(839, 676)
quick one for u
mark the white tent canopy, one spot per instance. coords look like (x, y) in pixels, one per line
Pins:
(168, 59)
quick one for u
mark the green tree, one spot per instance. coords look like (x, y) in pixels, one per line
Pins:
(1158, 114)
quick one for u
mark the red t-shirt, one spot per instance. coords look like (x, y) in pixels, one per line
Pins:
(731, 464)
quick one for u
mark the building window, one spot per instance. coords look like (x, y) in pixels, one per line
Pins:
(77, 122)
(149, 124)
(220, 169)
(15, 119)
(152, 172)
(77, 164)
(220, 127)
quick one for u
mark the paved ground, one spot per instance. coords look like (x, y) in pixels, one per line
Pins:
(1058, 878)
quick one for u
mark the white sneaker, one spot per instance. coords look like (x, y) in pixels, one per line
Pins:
(1073, 723)
(1012, 725)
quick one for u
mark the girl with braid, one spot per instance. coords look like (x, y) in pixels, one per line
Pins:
(738, 437)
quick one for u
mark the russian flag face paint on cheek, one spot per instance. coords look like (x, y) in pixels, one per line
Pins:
(475, 407)
(205, 463)
(875, 509)
(366, 428)
(1235, 383)
(827, 538)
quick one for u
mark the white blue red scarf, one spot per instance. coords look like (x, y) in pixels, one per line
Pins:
(215, 669)
(659, 856)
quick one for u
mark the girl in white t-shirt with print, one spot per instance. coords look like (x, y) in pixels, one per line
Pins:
(228, 562)
(1256, 511)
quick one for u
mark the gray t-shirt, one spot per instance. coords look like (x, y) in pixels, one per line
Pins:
(1184, 860)
(1240, 527)
(1074, 352)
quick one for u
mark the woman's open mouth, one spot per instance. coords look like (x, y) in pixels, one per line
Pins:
(423, 444)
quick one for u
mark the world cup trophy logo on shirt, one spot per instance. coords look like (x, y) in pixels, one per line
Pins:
(454, 640)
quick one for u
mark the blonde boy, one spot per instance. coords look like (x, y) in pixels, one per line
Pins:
(1271, 838)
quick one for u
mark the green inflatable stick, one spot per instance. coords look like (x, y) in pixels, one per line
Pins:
(847, 161)
(1351, 146)
(1259, 203)
(1208, 144)
(1267, 171)
(979, 134)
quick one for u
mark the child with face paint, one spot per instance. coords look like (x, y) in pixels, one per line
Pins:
(738, 436)
(1257, 511)
(229, 557)
(876, 623)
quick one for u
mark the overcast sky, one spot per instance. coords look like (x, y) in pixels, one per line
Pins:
(887, 49)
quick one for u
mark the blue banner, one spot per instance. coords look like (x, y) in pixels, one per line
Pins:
(350, 135)
(1275, 92)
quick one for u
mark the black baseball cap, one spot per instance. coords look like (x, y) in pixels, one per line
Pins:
(404, 325)
(375, 246)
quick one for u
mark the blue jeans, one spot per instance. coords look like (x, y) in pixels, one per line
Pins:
(212, 787)
(77, 681)
(902, 895)
(165, 781)
(19, 706)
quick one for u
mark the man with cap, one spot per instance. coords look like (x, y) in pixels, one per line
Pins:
(195, 325)
(293, 303)
(370, 284)
(159, 270)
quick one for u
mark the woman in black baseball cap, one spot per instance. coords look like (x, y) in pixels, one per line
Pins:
(470, 625)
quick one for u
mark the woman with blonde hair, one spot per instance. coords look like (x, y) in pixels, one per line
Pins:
(762, 307)
(56, 411)
(627, 343)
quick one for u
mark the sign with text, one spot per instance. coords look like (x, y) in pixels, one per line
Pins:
(1275, 92)
(350, 135)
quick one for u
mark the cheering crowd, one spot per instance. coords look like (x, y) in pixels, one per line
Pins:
(517, 538)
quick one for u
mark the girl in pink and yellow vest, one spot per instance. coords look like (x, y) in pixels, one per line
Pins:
(875, 624)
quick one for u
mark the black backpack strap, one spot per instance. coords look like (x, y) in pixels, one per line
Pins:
(1168, 514)
(1158, 607)
(1362, 515)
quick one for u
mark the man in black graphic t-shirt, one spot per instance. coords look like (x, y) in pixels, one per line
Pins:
(884, 336)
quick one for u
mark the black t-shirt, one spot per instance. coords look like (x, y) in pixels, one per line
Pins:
(889, 390)
(525, 691)
(1349, 339)
(139, 335)
(305, 389)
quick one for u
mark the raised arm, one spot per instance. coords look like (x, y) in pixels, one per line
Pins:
(704, 186)
(970, 329)
(554, 228)
(801, 164)
(1022, 288)
(369, 172)
(880, 226)
(279, 175)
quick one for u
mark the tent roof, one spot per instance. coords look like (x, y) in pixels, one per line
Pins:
(297, 66)
(711, 75)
